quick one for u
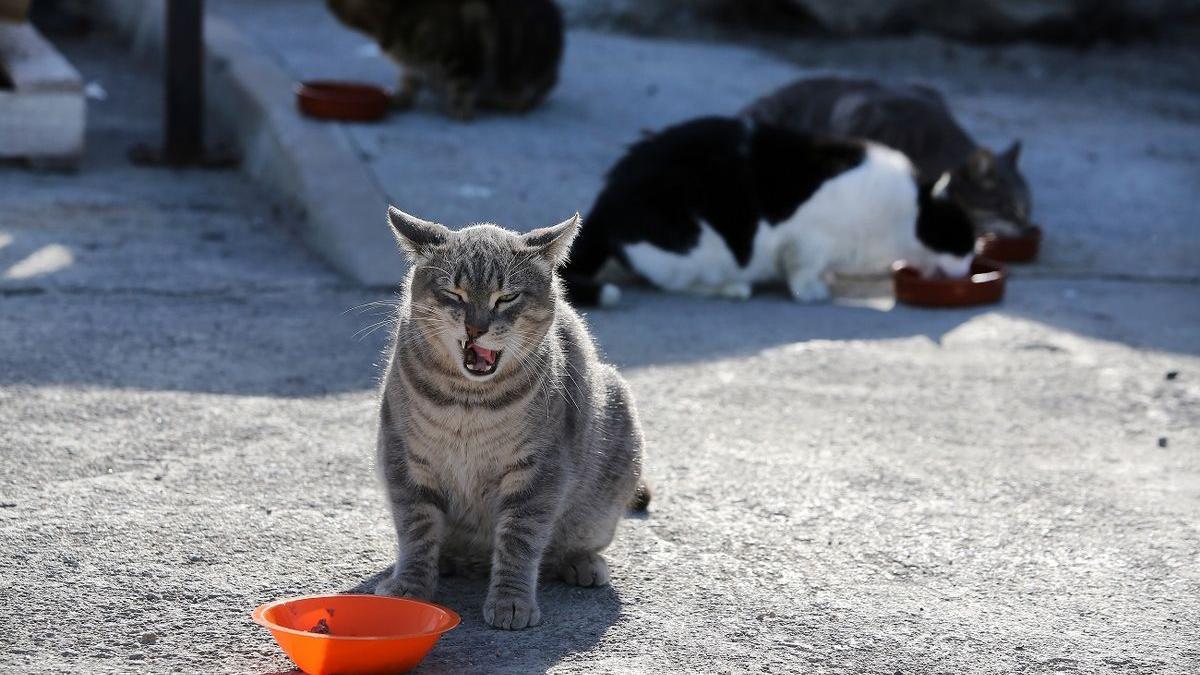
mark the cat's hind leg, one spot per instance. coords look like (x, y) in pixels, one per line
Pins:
(584, 569)
(582, 534)
(408, 89)
(708, 269)
(805, 260)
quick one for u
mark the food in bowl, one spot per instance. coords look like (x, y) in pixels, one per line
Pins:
(366, 634)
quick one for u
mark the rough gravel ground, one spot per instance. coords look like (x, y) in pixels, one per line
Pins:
(186, 421)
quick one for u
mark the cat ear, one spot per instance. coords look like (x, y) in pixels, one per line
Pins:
(554, 242)
(1012, 154)
(416, 236)
(981, 163)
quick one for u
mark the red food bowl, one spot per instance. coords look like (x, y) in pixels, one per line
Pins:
(345, 101)
(1021, 248)
(355, 634)
(984, 285)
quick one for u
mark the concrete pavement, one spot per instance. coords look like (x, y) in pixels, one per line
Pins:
(186, 425)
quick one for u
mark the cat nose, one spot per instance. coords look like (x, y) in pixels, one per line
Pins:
(475, 331)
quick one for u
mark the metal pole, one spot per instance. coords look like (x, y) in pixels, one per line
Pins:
(184, 82)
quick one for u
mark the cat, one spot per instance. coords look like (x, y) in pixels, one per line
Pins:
(498, 54)
(915, 120)
(504, 441)
(717, 204)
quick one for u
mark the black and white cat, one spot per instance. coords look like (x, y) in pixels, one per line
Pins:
(715, 205)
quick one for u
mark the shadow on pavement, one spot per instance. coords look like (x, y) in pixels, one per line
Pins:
(652, 328)
(573, 620)
(298, 346)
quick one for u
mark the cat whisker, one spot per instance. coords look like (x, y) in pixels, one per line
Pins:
(363, 333)
(390, 304)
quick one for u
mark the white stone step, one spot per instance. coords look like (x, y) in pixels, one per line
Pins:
(42, 104)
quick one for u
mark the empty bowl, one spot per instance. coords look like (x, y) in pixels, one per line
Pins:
(355, 634)
(984, 284)
(1021, 248)
(346, 101)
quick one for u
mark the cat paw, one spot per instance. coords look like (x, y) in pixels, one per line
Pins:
(585, 569)
(735, 291)
(508, 612)
(809, 290)
(398, 588)
(460, 107)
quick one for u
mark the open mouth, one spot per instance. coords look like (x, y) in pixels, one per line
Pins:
(479, 360)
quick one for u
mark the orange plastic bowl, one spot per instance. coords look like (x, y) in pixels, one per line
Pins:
(368, 634)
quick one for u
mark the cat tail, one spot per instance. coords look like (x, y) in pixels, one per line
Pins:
(589, 252)
(641, 498)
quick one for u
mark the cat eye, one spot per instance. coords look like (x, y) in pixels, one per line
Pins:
(452, 296)
(507, 298)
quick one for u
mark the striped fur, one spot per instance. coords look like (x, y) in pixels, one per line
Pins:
(523, 471)
(497, 54)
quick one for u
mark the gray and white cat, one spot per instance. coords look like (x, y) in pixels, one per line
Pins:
(915, 120)
(504, 441)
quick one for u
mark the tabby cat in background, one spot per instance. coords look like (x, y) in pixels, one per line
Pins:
(504, 442)
(915, 120)
(496, 54)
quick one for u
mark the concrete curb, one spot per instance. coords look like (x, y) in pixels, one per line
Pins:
(344, 220)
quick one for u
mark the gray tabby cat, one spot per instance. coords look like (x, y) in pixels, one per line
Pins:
(915, 120)
(504, 442)
(498, 54)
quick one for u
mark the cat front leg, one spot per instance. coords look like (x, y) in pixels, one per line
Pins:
(807, 288)
(735, 290)
(804, 260)
(419, 528)
(523, 531)
(419, 516)
(461, 99)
